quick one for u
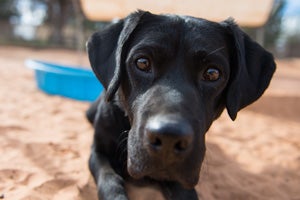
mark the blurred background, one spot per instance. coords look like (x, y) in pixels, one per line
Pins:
(62, 23)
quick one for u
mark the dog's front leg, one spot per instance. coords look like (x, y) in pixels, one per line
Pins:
(110, 185)
(174, 191)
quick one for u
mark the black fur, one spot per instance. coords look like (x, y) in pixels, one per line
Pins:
(150, 125)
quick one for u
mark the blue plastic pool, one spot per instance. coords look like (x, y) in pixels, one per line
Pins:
(68, 81)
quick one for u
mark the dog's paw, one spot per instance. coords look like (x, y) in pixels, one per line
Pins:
(111, 187)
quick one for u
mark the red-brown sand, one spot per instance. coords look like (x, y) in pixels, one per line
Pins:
(45, 140)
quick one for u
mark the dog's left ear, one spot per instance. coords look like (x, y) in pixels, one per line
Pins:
(106, 51)
(252, 68)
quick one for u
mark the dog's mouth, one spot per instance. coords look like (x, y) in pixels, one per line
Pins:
(187, 178)
(187, 181)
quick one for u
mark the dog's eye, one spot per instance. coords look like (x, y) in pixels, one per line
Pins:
(143, 64)
(211, 74)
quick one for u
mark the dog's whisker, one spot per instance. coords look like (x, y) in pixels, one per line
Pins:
(214, 51)
(121, 149)
(122, 153)
(121, 144)
(123, 135)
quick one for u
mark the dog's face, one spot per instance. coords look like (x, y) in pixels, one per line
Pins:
(174, 76)
(176, 73)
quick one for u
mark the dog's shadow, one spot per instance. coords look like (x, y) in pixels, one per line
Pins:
(224, 178)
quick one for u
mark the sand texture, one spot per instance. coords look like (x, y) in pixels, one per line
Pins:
(45, 140)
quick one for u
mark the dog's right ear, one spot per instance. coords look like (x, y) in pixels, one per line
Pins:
(105, 49)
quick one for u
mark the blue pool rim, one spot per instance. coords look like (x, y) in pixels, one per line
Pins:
(72, 82)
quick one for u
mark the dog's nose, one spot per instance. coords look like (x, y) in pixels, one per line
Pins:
(168, 136)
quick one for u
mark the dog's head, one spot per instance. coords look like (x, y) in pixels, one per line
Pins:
(174, 75)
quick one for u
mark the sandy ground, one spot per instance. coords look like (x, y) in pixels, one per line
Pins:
(45, 140)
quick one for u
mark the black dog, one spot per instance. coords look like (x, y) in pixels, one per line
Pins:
(166, 79)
